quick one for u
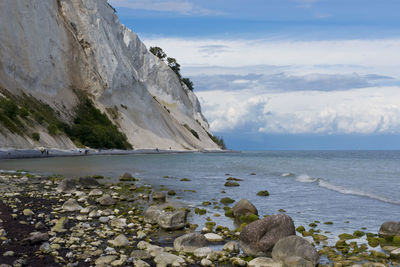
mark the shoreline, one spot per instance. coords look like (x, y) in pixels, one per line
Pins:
(11, 153)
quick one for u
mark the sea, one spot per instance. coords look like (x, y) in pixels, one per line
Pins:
(355, 190)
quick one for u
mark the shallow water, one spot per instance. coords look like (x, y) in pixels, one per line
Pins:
(353, 189)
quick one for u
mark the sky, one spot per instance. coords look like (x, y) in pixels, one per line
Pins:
(284, 74)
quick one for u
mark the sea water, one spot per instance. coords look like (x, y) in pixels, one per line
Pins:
(353, 189)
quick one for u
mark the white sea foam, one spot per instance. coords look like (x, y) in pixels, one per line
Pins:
(348, 191)
(286, 174)
(304, 178)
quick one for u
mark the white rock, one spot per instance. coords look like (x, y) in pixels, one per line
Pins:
(264, 262)
(95, 193)
(165, 259)
(205, 262)
(202, 252)
(213, 237)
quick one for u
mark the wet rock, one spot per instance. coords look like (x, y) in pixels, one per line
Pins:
(28, 212)
(295, 246)
(59, 226)
(140, 263)
(127, 177)
(165, 259)
(244, 208)
(105, 260)
(71, 205)
(106, 200)
(35, 238)
(202, 252)
(88, 182)
(395, 254)
(95, 193)
(9, 254)
(140, 254)
(259, 237)
(66, 186)
(158, 197)
(190, 242)
(264, 262)
(120, 241)
(171, 221)
(389, 229)
(231, 247)
(213, 237)
(205, 262)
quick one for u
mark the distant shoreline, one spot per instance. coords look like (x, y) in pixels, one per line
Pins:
(37, 153)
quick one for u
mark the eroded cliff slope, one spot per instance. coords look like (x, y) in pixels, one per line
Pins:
(57, 51)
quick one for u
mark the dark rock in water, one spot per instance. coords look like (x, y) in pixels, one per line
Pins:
(190, 242)
(35, 238)
(126, 177)
(259, 237)
(244, 208)
(158, 197)
(295, 246)
(389, 229)
(231, 184)
(88, 182)
(66, 186)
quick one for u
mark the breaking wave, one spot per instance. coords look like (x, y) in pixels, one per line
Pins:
(287, 174)
(304, 178)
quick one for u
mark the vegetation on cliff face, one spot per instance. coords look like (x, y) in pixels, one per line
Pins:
(173, 64)
(218, 140)
(90, 127)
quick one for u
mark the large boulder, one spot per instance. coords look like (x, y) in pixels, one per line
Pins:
(88, 182)
(173, 220)
(259, 237)
(66, 186)
(295, 246)
(244, 208)
(389, 229)
(167, 219)
(190, 242)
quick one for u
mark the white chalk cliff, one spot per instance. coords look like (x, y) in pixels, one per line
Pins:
(50, 48)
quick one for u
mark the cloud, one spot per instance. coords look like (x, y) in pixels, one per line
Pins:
(178, 6)
(360, 111)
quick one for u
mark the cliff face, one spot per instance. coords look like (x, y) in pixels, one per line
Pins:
(50, 49)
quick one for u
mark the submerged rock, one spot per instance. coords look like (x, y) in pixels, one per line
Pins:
(190, 242)
(259, 237)
(295, 246)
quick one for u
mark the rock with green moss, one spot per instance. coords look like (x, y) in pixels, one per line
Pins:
(171, 193)
(206, 203)
(200, 211)
(185, 180)
(248, 218)
(263, 193)
(231, 184)
(300, 229)
(358, 233)
(346, 236)
(234, 179)
(227, 200)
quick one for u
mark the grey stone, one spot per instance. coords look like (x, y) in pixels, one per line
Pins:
(158, 197)
(71, 205)
(259, 237)
(244, 208)
(389, 229)
(106, 200)
(295, 261)
(213, 237)
(264, 262)
(232, 247)
(95, 193)
(295, 246)
(88, 182)
(66, 186)
(140, 263)
(172, 220)
(35, 238)
(190, 242)
(151, 214)
(165, 259)
(120, 241)
(202, 252)
(141, 254)
(105, 260)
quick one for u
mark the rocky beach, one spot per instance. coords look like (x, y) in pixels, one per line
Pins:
(88, 221)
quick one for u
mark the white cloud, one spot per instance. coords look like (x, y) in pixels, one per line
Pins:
(372, 110)
(179, 6)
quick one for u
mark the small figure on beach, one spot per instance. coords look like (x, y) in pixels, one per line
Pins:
(157, 149)
(86, 151)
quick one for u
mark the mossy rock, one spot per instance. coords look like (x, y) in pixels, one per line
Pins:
(341, 244)
(263, 193)
(171, 193)
(282, 210)
(313, 225)
(373, 242)
(241, 227)
(319, 238)
(185, 180)
(169, 209)
(358, 233)
(206, 203)
(396, 240)
(193, 226)
(210, 225)
(98, 177)
(226, 200)
(229, 213)
(200, 211)
(300, 229)
(328, 223)
(307, 233)
(249, 218)
(234, 179)
(231, 184)
(346, 236)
